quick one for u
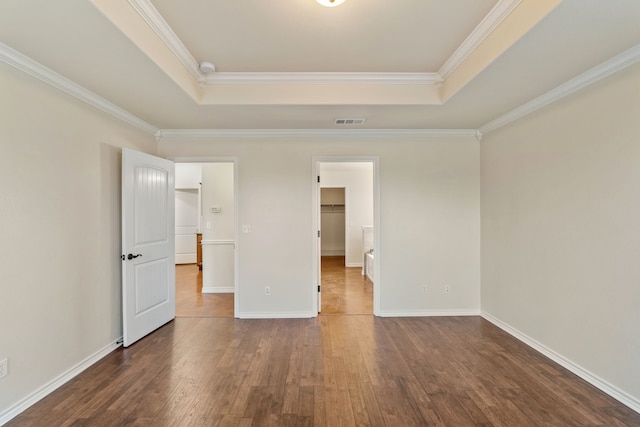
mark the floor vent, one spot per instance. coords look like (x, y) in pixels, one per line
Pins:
(349, 122)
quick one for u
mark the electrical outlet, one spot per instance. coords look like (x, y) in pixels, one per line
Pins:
(446, 289)
(4, 368)
(267, 290)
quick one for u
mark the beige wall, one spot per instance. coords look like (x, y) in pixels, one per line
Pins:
(60, 231)
(217, 190)
(430, 227)
(218, 259)
(561, 228)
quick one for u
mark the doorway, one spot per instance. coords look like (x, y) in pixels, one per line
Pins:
(346, 201)
(205, 286)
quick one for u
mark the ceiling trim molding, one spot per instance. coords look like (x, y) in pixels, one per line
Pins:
(490, 22)
(27, 65)
(154, 19)
(159, 25)
(325, 78)
(288, 133)
(625, 59)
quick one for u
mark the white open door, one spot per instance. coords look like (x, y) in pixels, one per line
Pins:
(148, 256)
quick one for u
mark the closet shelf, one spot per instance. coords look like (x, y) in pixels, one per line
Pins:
(331, 208)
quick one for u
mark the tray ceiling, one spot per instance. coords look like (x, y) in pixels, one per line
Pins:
(293, 64)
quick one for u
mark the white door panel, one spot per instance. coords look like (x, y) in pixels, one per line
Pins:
(185, 247)
(186, 209)
(148, 272)
(185, 243)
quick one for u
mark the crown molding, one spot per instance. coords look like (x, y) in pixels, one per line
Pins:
(325, 78)
(157, 23)
(490, 22)
(587, 78)
(152, 17)
(289, 133)
(27, 65)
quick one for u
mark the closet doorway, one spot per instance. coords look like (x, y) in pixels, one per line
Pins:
(332, 221)
(345, 196)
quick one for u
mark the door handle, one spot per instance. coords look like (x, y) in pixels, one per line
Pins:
(132, 256)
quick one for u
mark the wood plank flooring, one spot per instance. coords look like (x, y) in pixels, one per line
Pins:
(191, 302)
(344, 289)
(327, 371)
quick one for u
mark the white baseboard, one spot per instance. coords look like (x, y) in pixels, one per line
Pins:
(429, 313)
(353, 264)
(218, 289)
(292, 315)
(185, 258)
(613, 391)
(332, 253)
(60, 380)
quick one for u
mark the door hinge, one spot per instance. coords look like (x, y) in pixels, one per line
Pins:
(318, 288)
(318, 233)
(318, 179)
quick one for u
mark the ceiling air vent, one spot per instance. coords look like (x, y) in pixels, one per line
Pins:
(349, 122)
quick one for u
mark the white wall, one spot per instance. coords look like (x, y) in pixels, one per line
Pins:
(188, 175)
(357, 178)
(561, 229)
(60, 225)
(218, 231)
(430, 228)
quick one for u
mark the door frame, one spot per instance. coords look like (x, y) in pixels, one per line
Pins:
(315, 215)
(236, 268)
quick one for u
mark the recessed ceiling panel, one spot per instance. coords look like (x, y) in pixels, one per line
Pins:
(302, 36)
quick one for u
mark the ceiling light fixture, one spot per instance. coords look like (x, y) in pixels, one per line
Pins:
(331, 3)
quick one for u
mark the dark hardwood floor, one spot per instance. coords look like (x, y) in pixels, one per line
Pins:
(327, 371)
(208, 369)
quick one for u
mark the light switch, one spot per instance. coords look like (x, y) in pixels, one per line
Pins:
(246, 228)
